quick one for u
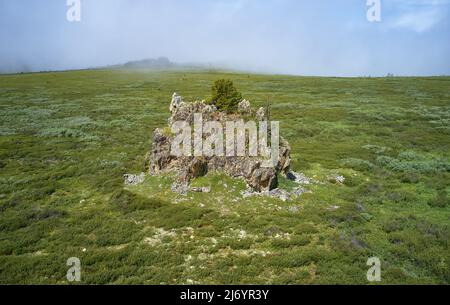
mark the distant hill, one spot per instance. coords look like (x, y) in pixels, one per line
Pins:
(158, 63)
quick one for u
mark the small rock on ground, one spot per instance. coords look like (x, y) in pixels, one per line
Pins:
(131, 179)
(204, 189)
(180, 188)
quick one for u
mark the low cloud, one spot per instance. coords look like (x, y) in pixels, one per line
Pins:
(419, 22)
(419, 15)
(276, 36)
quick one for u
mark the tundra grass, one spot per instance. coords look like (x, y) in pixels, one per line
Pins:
(67, 138)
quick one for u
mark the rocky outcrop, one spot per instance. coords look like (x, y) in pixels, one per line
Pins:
(281, 194)
(160, 157)
(258, 178)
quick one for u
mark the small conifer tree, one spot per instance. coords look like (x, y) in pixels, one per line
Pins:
(225, 96)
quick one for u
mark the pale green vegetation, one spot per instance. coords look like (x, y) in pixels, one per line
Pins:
(67, 138)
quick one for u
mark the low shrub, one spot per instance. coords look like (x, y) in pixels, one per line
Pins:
(225, 96)
(357, 164)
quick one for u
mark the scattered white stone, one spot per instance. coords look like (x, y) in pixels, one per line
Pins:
(159, 234)
(281, 194)
(333, 208)
(336, 178)
(282, 235)
(180, 188)
(294, 209)
(299, 191)
(205, 189)
(242, 234)
(340, 179)
(299, 178)
(131, 179)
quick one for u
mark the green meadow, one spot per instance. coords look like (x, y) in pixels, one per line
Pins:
(67, 139)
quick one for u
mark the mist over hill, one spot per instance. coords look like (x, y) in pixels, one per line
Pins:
(164, 63)
(159, 63)
(150, 63)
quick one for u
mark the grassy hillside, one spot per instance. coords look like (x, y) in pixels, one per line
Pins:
(67, 138)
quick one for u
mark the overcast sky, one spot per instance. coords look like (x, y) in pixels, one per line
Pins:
(314, 37)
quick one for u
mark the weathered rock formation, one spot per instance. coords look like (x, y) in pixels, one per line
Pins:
(258, 178)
